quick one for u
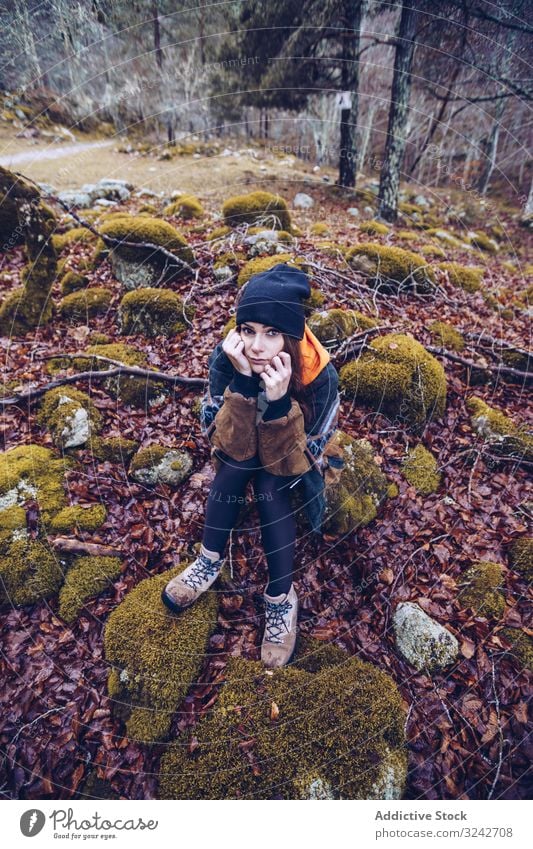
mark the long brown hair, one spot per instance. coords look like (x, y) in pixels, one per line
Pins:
(296, 386)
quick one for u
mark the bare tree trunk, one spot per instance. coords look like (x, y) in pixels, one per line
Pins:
(351, 38)
(401, 88)
(491, 148)
(157, 35)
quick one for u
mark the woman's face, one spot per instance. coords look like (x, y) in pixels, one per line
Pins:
(261, 342)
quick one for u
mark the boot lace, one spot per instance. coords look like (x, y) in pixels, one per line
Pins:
(274, 621)
(201, 570)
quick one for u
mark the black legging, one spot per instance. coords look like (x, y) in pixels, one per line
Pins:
(278, 525)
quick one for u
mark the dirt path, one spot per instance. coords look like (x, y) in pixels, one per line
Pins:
(38, 155)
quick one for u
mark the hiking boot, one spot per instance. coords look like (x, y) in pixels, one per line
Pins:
(185, 588)
(279, 640)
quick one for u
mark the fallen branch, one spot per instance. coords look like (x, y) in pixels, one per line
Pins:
(78, 546)
(479, 366)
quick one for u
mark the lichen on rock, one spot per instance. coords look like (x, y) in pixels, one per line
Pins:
(158, 464)
(424, 643)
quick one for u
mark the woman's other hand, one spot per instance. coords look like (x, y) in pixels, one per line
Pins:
(277, 376)
(233, 347)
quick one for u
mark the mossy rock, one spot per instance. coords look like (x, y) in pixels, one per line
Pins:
(186, 206)
(73, 282)
(464, 276)
(521, 646)
(375, 228)
(264, 263)
(521, 556)
(80, 518)
(218, 233)
(432, 251)
(159, 464)
(86, 303)
(444, 236)
(114, 449)
(86, 578)
(75, 236)
(69, 415)
(331, 249)
(319, 229)
(257, 208)
(517, 359)
(137, 267)
(340, 728)
(155, 655)
(447, 336)
(503, 436)
(29, 571)
(30, 472)
(153, 312)
(480, 587)
(393, 267)
(331, 327)
(420, 468)
(482, 241)
(398, 377)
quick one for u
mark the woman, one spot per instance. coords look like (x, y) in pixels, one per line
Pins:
(270, 413)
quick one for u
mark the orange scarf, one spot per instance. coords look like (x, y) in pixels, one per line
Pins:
(314, 356)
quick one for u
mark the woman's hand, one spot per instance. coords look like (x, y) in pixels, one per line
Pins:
(277, 376)
(233, 347)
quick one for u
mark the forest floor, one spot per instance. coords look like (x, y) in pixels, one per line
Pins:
(467, 726)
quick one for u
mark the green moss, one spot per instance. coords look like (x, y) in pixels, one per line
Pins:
(148, 208)
(335, 325)
(432, 251)
(447, 335)
(218, 233)
(376, 228)
(521, 646)
(86, 578)
(29, 572)
(521, 556)
(319, 229)
(391, 265)
(186, 206)
(147, 457)
(481, 240)
(115, 449)
(72, 281)
(101, 252)
(153, 312)
(80, 518)
(420, 469)
(154, 231)
(393, 491)
(463, 276)
(444, 236)
(86, 304)
(341, 724)
(480, 585)
(500, 431)
(76, 236)
(398, 377)
(257, 207)
(155, 654)
(58, 414)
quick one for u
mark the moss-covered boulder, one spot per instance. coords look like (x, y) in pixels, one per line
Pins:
(480, 588)
(354, 497)
(69, 415)
(186, 206)
(136, 267)
(257, 208)
(71, 238)
(28, 306)
(391, 268)
(29, 571)
(521, 556)
(479, 239)
(30, 473)
(326, 726)
(375, 228)
(421, 470)
(424, 643)
(155, 655)
(158, 464)
(333, 326)
(83, 305)
(521, 646)
(501, 433)
(153, 312)
(319, 228)
(444, 236)
(114, 449)
(467, 277)
(398, 377)
(86, 578)
(73, 282)
(128, 388)
(80, 518)
(447, 335)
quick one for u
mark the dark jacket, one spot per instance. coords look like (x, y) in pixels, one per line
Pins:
(230, 419)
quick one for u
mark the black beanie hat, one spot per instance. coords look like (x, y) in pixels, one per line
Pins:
(274, 298)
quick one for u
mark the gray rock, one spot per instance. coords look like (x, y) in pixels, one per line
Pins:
(76, 428)
(422, 201)
(162, 471)
(303, 201)
(424, 643)
(76, 199)
(135, 275)
(352, 210)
